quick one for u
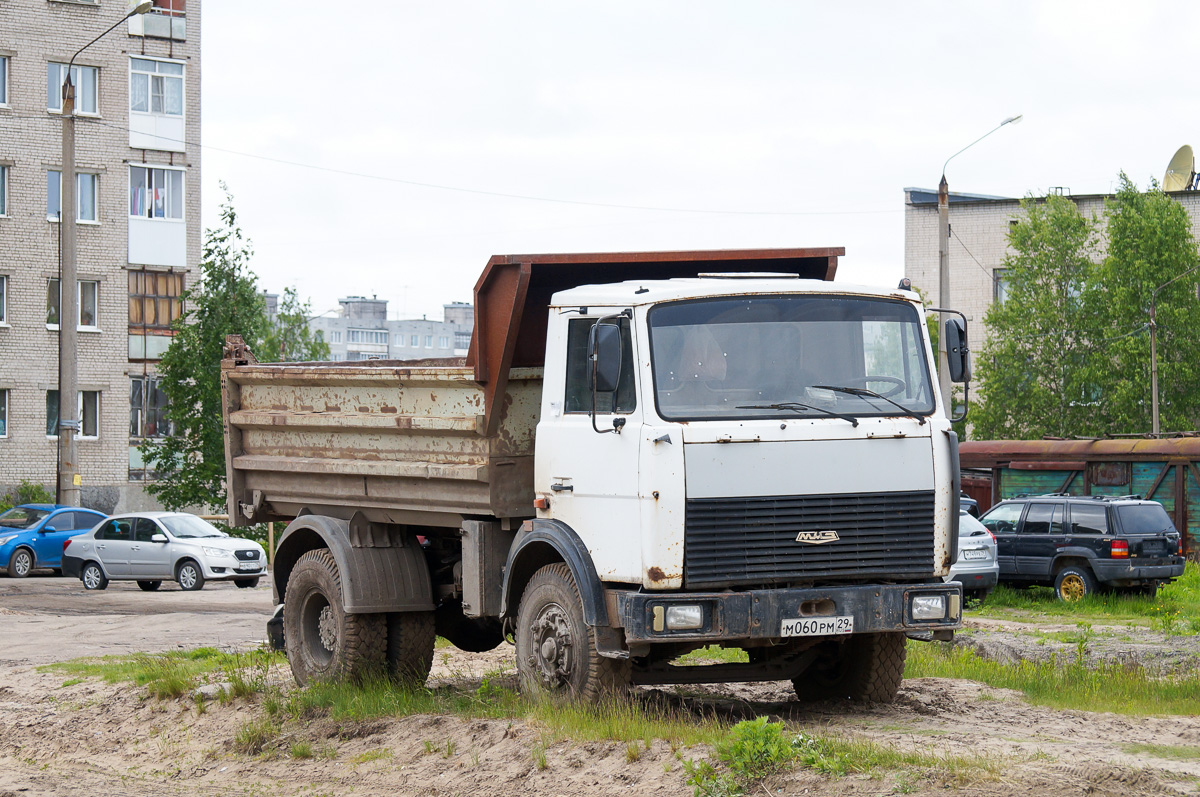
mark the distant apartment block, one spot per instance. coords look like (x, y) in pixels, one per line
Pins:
(138, 211)
(362, 331)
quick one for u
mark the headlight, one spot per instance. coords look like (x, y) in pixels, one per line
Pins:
(8, 539)
(681, 618)
(217, 552)
(929, 607)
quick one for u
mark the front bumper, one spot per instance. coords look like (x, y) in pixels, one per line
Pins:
(1125, 572)
(759, 614)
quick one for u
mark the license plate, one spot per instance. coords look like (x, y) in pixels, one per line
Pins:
(976, 554)
(817, 626)
(247, 567)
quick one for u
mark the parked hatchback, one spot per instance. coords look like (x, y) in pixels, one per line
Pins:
(1081, 543)
(153, 547)
(32, 535)
(976, 567)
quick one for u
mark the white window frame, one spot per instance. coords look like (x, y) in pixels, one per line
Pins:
(149, 169)
(79, 325)
(335, 336)
(415, 340)
(77, 72)
(4, 73)
(4, 170)
(150, 77)
(80, 178)
(429, 341)
(443, 341)
(3, 412)
(81, 394)
(4, 300)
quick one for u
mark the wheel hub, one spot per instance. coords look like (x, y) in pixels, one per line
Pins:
(552, 643)
(1072, 588)
(327, 628)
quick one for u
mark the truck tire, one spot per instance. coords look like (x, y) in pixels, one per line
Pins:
(866, 668)
(410, 637)
(1074, 583)
(556, 650)
(323, 641)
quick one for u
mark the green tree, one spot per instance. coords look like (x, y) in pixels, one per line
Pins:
(1036, 374)
(1150, 244)
(225, 300)
(290, 339)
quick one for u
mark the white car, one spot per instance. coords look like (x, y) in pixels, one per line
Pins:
(152, 547)
(976, 568)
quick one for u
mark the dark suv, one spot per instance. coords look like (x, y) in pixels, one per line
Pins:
(1078, 543)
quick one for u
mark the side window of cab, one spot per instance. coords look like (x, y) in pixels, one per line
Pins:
(579, 390)
(1003, 519)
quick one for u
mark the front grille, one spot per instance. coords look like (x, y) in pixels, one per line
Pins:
(748, 541)
(246, 556)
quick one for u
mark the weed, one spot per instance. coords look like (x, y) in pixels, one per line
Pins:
(254, 737)
(1174, 752)
(302, 750)
(756, 748)
(539, 756)
(709, 782)
(430, 747)
(450, 747)
(201, 703)
(633, 752)
(371, 755)
(72, 682)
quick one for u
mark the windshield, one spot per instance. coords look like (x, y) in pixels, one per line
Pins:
(734, 357)
(1144, 519)
(21, 517)
(189, 526)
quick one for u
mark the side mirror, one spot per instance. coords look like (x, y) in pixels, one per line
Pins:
(158, 538)
(604, 354)
(46, 529)
(958, 355)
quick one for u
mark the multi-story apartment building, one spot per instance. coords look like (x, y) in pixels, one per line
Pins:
(362, 331)
(138, 233)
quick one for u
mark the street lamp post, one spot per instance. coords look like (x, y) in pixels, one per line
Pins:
(1154, 348)
(944, 259)
(69, 480)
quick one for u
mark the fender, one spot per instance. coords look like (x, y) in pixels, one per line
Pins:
(382, 568)
(1073, 552)
(542, 542)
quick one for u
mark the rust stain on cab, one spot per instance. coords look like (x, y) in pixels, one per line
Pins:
(656, 574)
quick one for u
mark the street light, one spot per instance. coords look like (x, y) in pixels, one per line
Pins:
(68, 338)
(944, 258)
(1154, 347)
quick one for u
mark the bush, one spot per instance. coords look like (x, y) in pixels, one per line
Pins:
(26, 493)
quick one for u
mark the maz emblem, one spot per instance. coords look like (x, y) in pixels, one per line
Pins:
(817, 537)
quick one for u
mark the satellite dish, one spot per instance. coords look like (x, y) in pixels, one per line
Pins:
(1180, 170)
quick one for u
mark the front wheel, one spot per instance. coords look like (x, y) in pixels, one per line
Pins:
(93, 577)
(20, 563)
(1074, 583)
(865, 668)
(149, 586)
(324, 642)
(556, 650)
(190, 576)
(246, 583)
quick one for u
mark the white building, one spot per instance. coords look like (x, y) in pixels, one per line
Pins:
(362, 331)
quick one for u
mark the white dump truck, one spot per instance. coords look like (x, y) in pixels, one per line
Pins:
(642, 454)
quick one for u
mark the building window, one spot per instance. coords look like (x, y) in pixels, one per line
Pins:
(154, 301)
(376, 336)
(3, 80)
(155, 193)
(1000, 285)
(89, 414)
(3, 190)
(443, 341)
(87, 306)
(155, 87)
(86, 186)
(147, 408)
(462, 340)
(3, 299)
(3, 413)
(400, 341)
(85, 79)
(335, 336)
(414, 341)
(429, 341)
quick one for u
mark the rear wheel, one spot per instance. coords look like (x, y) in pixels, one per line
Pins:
(246, 583)
(20, 563)
(189, 575)
(149, 586)
(556, 650)
(1074, 583)
(93, 577)
(865, 668)
(410, 637)
(324, 642)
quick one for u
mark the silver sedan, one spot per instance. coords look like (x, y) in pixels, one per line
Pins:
(152, 547)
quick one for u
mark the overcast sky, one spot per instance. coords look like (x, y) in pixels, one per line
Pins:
(380, 148)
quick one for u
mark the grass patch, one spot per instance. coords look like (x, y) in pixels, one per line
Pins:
(1065, 684)
(1174, 752)
(371, 755)
(172, 674)
(255, 736)
(714, 654)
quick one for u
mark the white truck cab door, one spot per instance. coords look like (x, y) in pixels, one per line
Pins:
(591, 477)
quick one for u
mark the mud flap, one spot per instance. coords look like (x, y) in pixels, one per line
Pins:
(275, 629)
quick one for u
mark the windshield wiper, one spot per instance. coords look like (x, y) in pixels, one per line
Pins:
(796, 406)
(862, 391)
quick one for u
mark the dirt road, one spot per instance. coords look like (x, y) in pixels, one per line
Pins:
(64, 738)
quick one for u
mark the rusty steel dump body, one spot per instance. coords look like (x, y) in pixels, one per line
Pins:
(429, 442)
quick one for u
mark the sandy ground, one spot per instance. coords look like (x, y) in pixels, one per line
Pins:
(62, 738)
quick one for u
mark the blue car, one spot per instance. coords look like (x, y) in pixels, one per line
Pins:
(32, 535)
